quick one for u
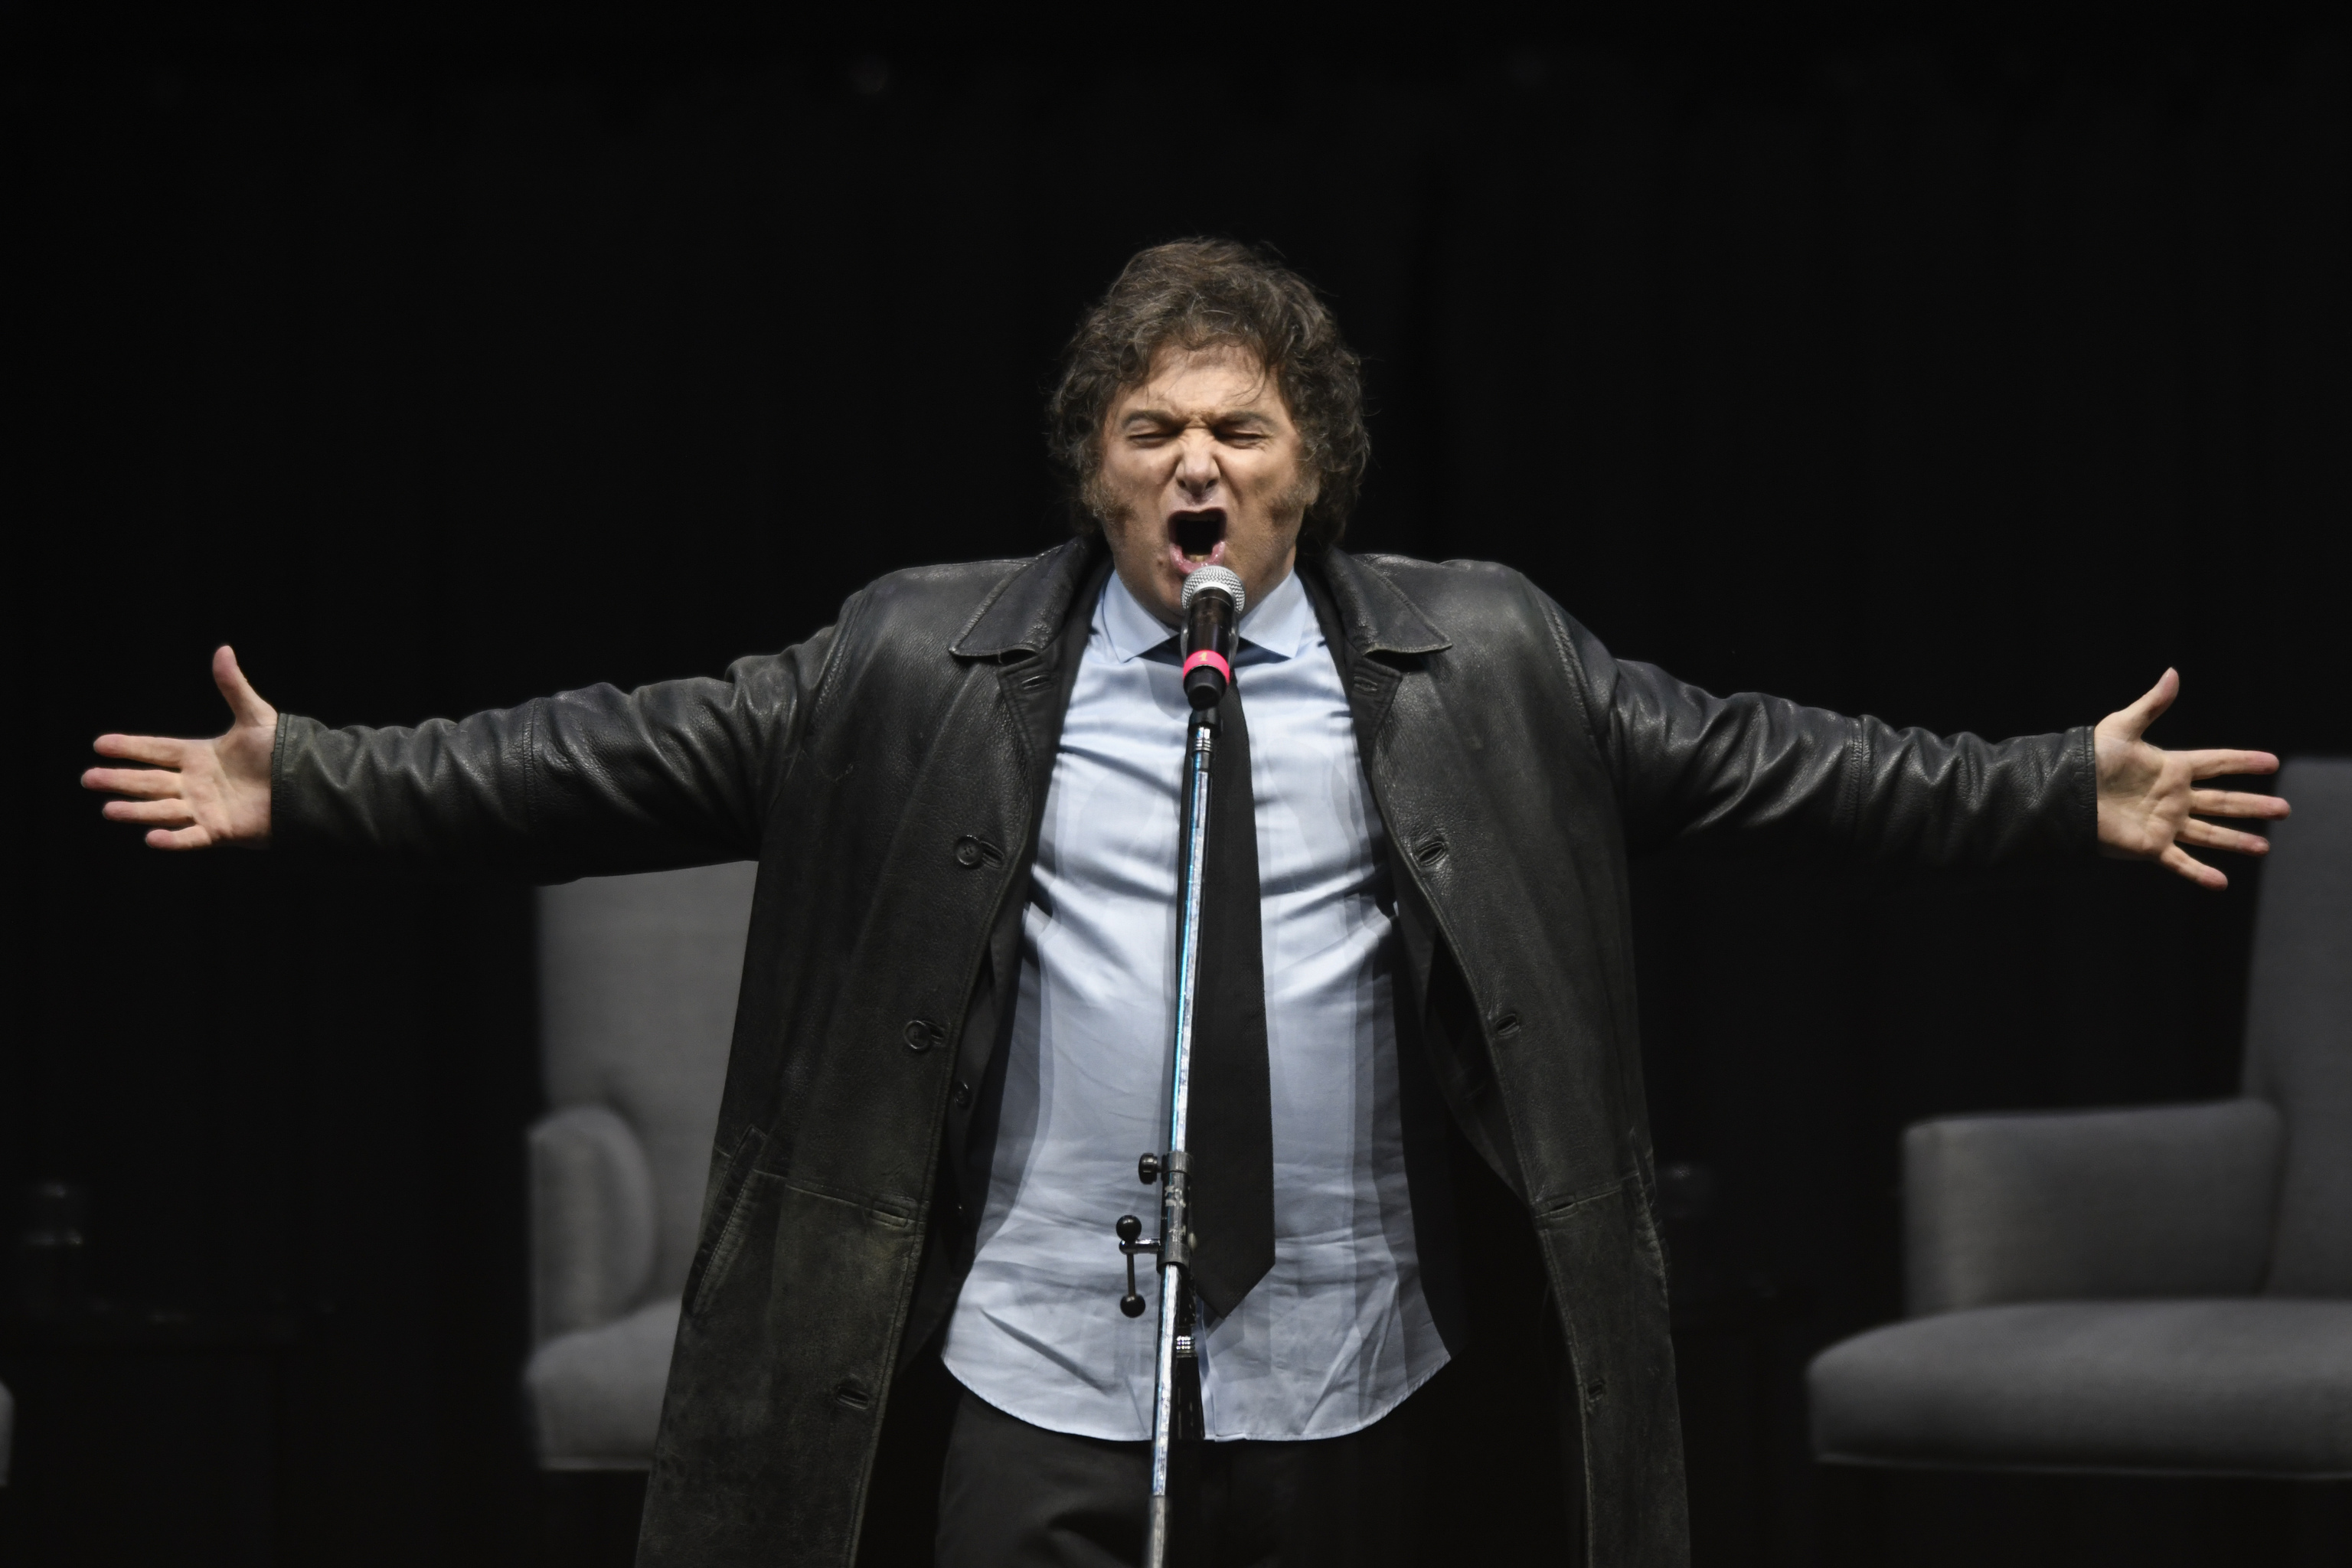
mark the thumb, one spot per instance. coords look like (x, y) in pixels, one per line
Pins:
(2128, 723)
(244, 702)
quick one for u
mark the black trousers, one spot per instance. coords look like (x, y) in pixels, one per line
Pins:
(1017, 1496)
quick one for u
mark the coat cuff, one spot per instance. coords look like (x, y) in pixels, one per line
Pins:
(2083, 817)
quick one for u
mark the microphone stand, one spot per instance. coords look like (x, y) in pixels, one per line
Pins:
(1176, 1391)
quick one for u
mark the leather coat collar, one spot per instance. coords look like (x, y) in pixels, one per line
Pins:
(1377, 615)
(1021, 617)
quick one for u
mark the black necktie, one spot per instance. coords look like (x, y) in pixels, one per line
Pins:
(1231, 1130)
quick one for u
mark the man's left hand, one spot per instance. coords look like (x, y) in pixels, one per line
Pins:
(2148, 802)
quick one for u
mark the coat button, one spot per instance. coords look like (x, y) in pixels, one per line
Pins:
(921, 1035)
(962, 1096)
(966, 852)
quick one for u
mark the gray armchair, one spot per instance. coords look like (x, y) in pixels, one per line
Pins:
(637, 981)
(2157, 1290)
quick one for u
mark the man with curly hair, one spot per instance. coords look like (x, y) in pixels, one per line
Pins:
(951, 1039)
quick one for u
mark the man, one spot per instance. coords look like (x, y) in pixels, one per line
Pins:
(951, 1034)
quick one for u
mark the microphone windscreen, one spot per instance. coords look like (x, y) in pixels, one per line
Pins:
(1215, 579)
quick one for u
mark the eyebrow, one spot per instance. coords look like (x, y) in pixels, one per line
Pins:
(1222, 416)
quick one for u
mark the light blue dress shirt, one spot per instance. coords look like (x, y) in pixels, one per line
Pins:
(1338, 1333)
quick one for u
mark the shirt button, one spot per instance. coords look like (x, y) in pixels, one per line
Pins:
(921, 1034)
(966, 852)
(962, 1096)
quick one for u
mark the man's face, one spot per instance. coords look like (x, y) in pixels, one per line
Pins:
(1201, 466)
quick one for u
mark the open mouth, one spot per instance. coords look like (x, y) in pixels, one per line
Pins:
(1198, 535)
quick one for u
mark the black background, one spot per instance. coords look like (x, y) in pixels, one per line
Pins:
(1967, 379)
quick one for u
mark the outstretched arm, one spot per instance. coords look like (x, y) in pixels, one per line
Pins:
(2148, 802)
(585, 782)
(1687, 762)
(194, 794)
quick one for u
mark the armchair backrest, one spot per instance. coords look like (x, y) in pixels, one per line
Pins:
(2299, 1026)
(637, 981)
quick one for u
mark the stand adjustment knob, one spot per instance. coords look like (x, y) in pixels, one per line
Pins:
(1130, 1242)
(1149, 1168)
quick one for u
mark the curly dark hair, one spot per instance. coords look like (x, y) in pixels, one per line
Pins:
(1193, 293)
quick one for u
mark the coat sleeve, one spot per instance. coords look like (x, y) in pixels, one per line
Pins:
(1687, 762)
(587, 782)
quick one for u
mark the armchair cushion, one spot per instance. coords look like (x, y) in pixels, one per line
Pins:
(636, 988)
(596, 1394)
(2105, 1205)
(2248, 1387)
(592, 1197)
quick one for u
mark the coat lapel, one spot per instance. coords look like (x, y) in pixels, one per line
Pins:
(1021, 617)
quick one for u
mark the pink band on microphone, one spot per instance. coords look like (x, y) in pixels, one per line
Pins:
(1211, 656)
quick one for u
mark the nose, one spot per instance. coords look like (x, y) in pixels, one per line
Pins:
(1196, 468)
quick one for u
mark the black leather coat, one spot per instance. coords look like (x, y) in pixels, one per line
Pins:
(888, 775)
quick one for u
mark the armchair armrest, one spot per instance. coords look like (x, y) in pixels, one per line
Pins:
(592, 1219)
(2101, 1205)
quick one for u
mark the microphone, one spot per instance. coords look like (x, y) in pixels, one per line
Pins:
(1213, 608)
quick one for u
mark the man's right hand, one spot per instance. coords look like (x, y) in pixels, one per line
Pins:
(197, 794)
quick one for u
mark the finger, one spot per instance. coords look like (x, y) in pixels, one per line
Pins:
(2205, 835)
(2229, 764)
(2235, 803)
(141, 783)
(159, 749)
(2174, 859)
(2136, 718)
(154, 813)
(242, 701)
(181, 838)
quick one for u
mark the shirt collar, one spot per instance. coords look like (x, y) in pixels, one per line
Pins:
(1276, 626)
